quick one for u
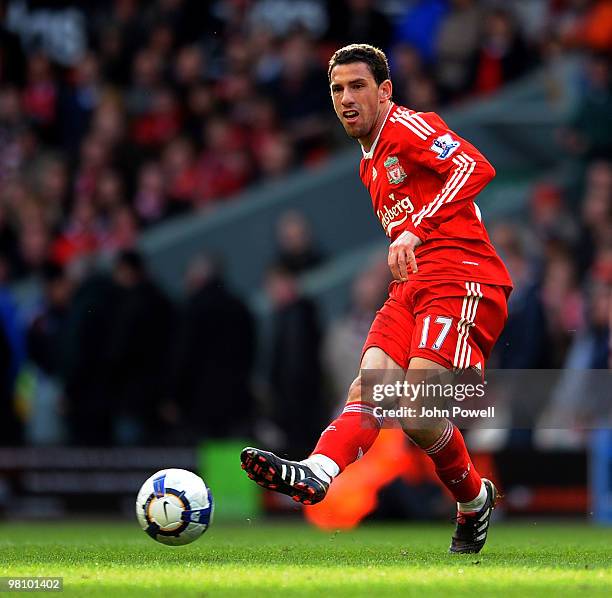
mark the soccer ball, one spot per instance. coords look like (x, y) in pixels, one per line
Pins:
(174, 507)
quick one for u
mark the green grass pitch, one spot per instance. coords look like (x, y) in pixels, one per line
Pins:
(259, 559)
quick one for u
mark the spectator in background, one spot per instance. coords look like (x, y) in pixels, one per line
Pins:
(123, 230)
(503, 55)
(297, 251)
(457, 41)
(562, 303)
(200, 104)
(94, 158)
(109, 128)
(263, 124)
(45, 332)
(35, 240)
(420, 26)
(89, 396)
(159, 122)
(422, 94)
(295, 363)
(79, 101)
(297, 94)
(590, 347)
(243, 81)
(125, 21)
(12, 58)
(12, 356)
(275, 157)
(81, 235)
(236, 92)
(138, 351)
(407, 66)
(11, 427)
(345, 337)
(180, 174)
(359, 21)
(114, 63)
(589, 134)
(40, 97)
(18, 205)
(9, 252)
(224, 167)
(595, 213)
(213, 357)
(162, 37)
(45, 343)
(267, 61)
(49, 181)
(549, 217)
(188, 68)
(580, 401)
(151, 201)
(13, 123)
(110, 193)
(146, 78)
(413, 85)
(524, 342)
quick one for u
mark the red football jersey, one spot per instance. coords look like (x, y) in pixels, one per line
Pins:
(424, 178)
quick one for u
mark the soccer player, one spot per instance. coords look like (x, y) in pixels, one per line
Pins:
(447, 303)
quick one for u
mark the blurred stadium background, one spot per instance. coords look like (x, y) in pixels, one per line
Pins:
(188, 261)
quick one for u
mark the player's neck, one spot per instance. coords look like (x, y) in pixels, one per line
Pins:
(368, 141)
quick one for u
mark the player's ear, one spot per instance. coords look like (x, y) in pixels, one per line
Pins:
(385, 90)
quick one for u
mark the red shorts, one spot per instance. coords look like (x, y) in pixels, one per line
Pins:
(452, 323)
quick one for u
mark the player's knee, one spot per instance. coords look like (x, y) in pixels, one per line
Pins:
(423, 437)
(354, 393)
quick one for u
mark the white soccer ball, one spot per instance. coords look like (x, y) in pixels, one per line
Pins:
(174, 507)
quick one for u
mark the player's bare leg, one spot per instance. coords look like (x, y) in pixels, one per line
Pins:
(444, 444)
(346, 439)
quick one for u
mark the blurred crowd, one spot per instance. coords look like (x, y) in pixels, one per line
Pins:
(115, 116)
(107, 357)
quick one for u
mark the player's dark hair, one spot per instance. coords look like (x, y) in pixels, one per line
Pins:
(373, 57)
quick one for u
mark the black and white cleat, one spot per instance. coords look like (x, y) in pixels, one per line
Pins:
(288, 477)
(472, 529)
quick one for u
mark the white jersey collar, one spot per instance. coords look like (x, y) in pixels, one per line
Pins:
(368, 155)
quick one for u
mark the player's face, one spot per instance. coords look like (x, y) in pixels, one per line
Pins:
(357, 98)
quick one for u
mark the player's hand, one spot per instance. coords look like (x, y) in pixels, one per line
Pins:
(401, 258)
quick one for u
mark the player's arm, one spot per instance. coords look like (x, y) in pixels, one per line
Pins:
(463, 169)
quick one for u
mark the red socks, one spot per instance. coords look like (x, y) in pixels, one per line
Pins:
(454, 466)
(349, 436)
